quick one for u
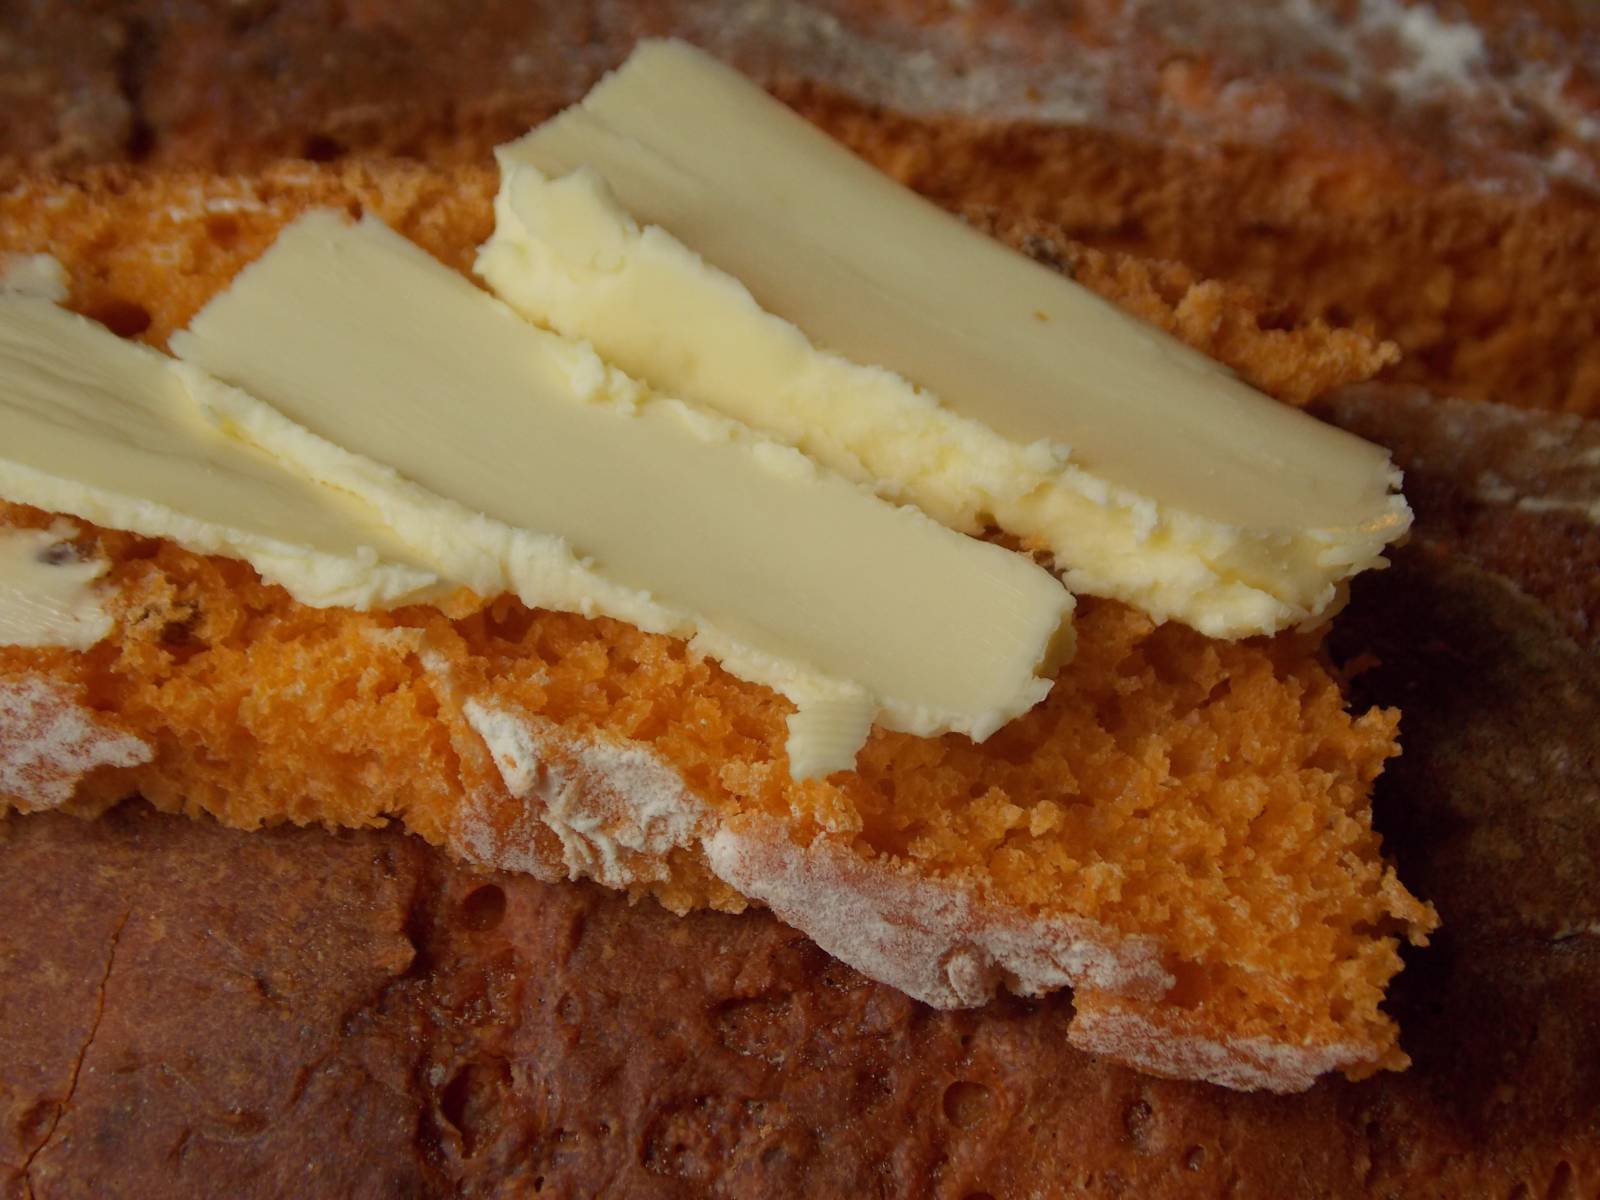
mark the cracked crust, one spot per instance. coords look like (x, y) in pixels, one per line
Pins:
(64, 1106)
(263, 952)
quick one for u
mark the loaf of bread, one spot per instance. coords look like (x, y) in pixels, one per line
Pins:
(1279, 210)
(1248, 944)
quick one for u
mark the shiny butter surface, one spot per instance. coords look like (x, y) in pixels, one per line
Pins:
(115, 433)
(512, 459)
(691, 228)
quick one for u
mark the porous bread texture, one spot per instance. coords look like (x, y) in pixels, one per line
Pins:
(1182, 826)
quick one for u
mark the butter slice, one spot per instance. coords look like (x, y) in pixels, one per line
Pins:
(1004, 393)
(114, 433)
(47, 593)
(517, 460)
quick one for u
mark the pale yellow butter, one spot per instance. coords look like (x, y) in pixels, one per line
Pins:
(39, 275)
(114, 433)
(514, 459)
(691, 228)
(47, 592)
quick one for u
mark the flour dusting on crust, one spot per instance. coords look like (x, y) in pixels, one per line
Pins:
(1501, 113)
(49, 742)
(1121, 1031)
(933, 940)
(617, 808)
(591, 806)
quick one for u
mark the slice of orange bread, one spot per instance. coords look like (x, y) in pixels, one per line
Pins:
(1181, 832)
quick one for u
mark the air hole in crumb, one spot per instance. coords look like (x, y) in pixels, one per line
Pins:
(123, 317)
(483, 908)
(966, 1103)
(59, 555)
(1194, 1158)
(179, 639)
(319, 147)
(141, 141)
(1276, 319)
(509, 622)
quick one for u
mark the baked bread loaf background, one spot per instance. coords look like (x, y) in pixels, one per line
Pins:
(496, 1043)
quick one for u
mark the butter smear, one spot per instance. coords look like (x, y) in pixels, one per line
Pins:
(47, 592)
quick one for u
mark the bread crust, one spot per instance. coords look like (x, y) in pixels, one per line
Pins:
(1161, 1041)
(578, 806)
(939, 941)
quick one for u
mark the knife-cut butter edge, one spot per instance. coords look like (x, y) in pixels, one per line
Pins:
(1224, 509)
(344, 558)
(495, 437)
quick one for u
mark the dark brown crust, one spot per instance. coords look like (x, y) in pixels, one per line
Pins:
(1511, 491)
(197, 1016)
(61, 84)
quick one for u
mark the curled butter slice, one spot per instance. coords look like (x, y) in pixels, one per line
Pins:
(713, 244)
